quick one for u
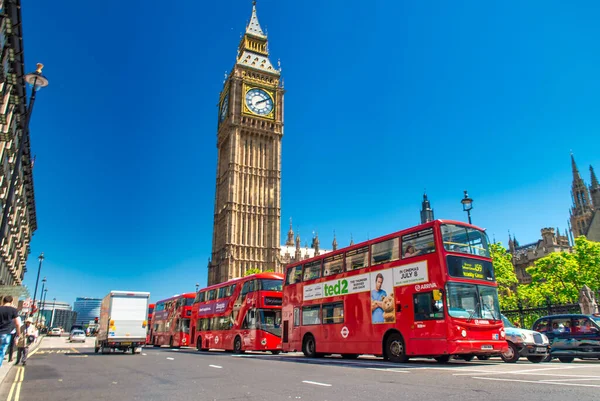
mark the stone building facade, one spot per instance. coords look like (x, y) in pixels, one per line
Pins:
(246, 229)
(585, 212)
(524, 256)
(22, 222)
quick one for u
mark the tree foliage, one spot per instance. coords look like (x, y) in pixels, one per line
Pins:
(257, 270)
(557, 277)
(505, 276)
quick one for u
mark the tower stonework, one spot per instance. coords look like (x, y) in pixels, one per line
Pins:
(582, 210)
(246, 230)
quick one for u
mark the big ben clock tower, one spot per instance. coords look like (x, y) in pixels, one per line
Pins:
(247, 213)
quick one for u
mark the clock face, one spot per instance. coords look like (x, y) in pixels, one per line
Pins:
(224, 108)
(259, 102)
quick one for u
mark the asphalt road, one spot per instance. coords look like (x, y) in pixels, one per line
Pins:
(61, 371)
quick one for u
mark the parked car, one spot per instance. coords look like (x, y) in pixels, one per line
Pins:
(571, 336)
(521, 342)
(55, 332)
(77, 335)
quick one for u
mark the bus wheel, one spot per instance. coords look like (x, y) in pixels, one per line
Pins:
(199, 344)
(276, 352)
(442, 358)
(483, 357)
(237, 346)
(394, 348)
(467, 358)
(309, 346)
(349, 356)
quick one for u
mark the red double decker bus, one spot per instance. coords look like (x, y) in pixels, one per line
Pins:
(239, 315)
(150, 312)
(428, 291)
(171, 321)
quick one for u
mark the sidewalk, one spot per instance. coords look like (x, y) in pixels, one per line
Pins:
(7, 366)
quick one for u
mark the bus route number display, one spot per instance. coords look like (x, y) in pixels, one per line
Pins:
(470, 268)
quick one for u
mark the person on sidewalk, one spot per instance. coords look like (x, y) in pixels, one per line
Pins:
(8, 317)
(11, 344)
(25, 340)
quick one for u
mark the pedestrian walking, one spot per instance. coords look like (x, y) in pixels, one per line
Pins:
(25, 340)
(8, 317)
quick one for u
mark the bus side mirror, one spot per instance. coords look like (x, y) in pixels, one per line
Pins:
(437, 295)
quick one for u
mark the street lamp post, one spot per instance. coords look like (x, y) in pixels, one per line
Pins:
(467, 205)
(52, 317)
(197, 287)
(37, 81)
(41, 296)
(44, 301)
(41, 259)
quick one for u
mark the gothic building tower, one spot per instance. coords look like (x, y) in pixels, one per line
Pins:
(595, 190)
(246, 228)
(582, 210)
(426, 210)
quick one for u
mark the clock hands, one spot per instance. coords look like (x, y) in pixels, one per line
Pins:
(262, 101)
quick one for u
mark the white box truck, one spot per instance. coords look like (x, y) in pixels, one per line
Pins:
(123, 321)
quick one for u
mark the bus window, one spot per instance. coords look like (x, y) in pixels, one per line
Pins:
(184, 326)
(270, 285)
(312, 270)
(200, 297)
(357, 258)
(222, 292)
(386, 251)
(333, 265)
(333, 313)
(248, 287)
(464, 240)
(310, 315)
(296, 317)
(418, 243)
(427, 308)
(211, 295)
(230, 290)
(294, 275)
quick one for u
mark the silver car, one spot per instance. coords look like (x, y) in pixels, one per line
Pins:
(77, 335)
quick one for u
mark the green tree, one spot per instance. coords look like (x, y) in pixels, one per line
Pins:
(560, 275)
(257, 270)
(505, 276)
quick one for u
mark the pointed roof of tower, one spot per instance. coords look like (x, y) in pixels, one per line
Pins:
(576, 175)
(253, 50)
(595, 183)
(334, 244)
(253, 27)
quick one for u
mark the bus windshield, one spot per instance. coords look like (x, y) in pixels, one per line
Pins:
(473, 301)
(184, 325)
(463, 239)
(270, 321)
(271, 285)
(189, 301)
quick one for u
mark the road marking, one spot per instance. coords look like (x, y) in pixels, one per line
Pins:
(77, 356)
(316, 383)
(171, 359)
(389, 370)
(570, 380)
(16, 386)
(174, 350)
(75, 351)
(537, 382)
(216, 366)
(144, 354)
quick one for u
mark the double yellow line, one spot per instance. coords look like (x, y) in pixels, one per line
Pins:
(16, 386)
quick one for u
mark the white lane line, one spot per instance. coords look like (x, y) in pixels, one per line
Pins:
(171, 359)
(389, 370)
(316, 383)
(519, 372)
(144, 354)
(570, 380)
(216, 366)
(174, 350)
(537, 382)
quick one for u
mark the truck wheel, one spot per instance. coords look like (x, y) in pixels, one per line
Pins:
(511, 355)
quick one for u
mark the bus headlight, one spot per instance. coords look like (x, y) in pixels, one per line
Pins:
(463, 333)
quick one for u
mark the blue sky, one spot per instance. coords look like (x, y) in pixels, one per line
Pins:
(384, 99)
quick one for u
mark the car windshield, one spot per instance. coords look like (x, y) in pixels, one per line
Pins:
(507, 322)
(473, 301)
(76, 333)
(463, 239)
(270, 321)
(596, 319)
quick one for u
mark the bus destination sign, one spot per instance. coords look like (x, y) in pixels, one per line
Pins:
(470, 268)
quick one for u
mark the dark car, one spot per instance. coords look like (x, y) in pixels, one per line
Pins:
(571, 336)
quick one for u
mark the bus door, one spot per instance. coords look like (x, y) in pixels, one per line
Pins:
(428, 332)
(249, 328)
